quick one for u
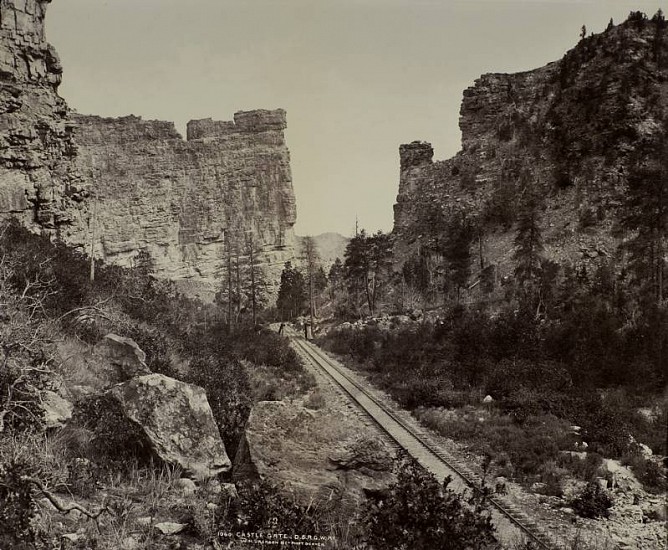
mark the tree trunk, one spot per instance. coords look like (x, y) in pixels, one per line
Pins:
(229, 287)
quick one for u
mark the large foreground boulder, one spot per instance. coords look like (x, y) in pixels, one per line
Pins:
(318, 456)
(177, 421)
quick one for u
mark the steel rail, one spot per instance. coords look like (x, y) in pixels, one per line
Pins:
(324, 363)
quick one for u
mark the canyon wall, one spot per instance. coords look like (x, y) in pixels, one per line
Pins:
(568, 133)
(183, 201)
(125, 186)
(38, 183)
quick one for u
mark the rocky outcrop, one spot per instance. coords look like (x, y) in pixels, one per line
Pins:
(37, 181)
(56, 410)
(312, 454)
(177, 421)
(125, 186)
(184, 203)
(123, 355)
(568, 132)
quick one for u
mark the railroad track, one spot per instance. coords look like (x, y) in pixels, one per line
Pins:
(512, 524)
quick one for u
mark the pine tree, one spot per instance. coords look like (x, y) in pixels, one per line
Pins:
(256, 284)
(335, 278)
(528, 254)
(457, 250)
(646, 218)
(292, 293)
(312, 263)
(367, 267)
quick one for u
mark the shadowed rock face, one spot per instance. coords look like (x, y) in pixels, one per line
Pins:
(123, 355)
(37, 182)
(127, 185)
(177, 421)
(573, 125)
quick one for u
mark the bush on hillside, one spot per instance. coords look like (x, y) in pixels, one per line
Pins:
(228, 392)
(422, 514)
(648, 472)
(17, 506)
(593, 502)
(114, 441)
(260, 506)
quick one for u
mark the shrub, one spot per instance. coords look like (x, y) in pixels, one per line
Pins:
(156, 347)
(263, 347)
(586, 468)
(422, 514)
(648, 472)
(261, 507)
(316, 400)
(552, 476)
(593, 502)
(115, 441)
(604, 427)
(226, 385)
(17, 505)
(22, 412)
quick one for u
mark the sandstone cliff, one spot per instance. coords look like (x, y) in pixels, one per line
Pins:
(570, 130)
(183, 201)
(37, 183)
(124, 186)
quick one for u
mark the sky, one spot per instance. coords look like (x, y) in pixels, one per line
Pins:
(356, 77)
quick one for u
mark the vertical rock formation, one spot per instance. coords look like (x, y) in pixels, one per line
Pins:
(37, 183)
(569, 132)
(181, 201)
(124, 186)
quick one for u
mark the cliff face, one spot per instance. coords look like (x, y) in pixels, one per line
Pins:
(37, 183)
(125, 186)
(183, 201)
(567, 132)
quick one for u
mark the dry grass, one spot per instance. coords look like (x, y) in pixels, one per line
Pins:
(315, 400)
(137, 492)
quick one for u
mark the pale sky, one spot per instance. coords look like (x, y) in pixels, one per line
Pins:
(356, 77)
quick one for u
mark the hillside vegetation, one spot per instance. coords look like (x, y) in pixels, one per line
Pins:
(52, 314)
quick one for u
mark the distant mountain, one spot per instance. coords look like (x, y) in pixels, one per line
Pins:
(330, 246)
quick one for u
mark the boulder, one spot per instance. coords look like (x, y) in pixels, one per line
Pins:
(56, 410)
(311, 454)
(124, 355)
(645, 451)
(488, 399)
(177, 421)
(170, 527)
(185, 486)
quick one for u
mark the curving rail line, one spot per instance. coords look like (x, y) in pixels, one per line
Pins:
(511, 524)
